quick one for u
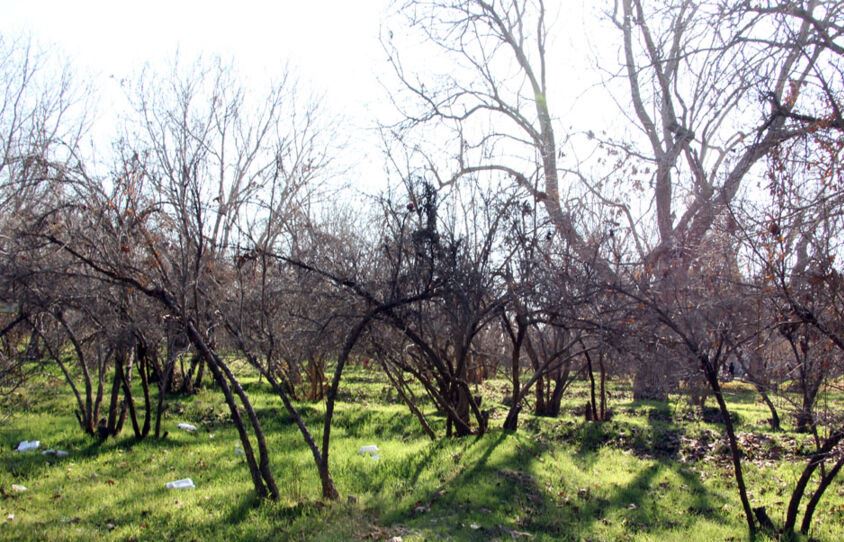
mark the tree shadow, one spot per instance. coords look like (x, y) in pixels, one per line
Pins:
(245, 504)
(659, 438)
(97, 446)
(659, 441)
(497, 495)
(638, 503)
(424, 461)
(376, 423)
(468, 506)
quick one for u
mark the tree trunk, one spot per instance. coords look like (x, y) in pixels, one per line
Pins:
(816, 497)
(762, 386)
(329, 491)
(129, 401)
(603, 369)
(163, 386)
(799, 489)
(540, 407)
(712, 376)
(560, 385)
(33, 348)
(397, 383)
(258, 480)
(197, 384)
(187, 381)
(316, 380)
(111, 425)
(98, 399)
(143, 371)
(263, 451)
(775, 419)
(650, 381)
(460, 397)
(82, 414)
(87, 418)
(805, 416)
(512, 420)
(556, 401)
(592, 401)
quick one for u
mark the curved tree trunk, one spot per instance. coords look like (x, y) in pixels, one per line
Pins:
(712, 376)
(406, 397)
(215, 361)
(816, 497)
(799, 489)
(257, 472)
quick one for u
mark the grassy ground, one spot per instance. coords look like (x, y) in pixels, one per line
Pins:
(652, 473)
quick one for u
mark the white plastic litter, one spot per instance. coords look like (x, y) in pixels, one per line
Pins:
(369, 449)
(187, 427)
(57, 453)
(186, 483)
(19, 489)
(375, 457)
(238, 450)
(28, 445)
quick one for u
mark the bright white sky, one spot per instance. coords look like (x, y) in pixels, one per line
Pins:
(329, 42)
(332, 47)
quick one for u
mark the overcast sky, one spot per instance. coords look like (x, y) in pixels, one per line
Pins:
(329, 42)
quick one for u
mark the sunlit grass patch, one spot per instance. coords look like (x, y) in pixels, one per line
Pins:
(554, 479)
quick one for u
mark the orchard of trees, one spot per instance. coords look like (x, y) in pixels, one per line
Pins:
(700, 236)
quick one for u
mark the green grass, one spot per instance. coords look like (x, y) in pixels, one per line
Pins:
(555, 479)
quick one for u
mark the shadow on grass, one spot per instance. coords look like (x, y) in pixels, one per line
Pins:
(482, 499)
(245, 504)
(497, 494)
(377, 423)
(424, 461)
(32, 464)
(660, 438)
(637, 501)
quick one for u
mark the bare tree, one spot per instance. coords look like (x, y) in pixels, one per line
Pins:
(163, 231)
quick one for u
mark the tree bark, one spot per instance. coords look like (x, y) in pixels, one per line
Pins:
(816, 497)
(215, 362)
(799, 489)
(399, 386)
(592, 402)
(517, 338)
(111, 425)
(163, 386)
(143, 371)
(712, 376)
(603, 369)
(129, 400)
(254, 470)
